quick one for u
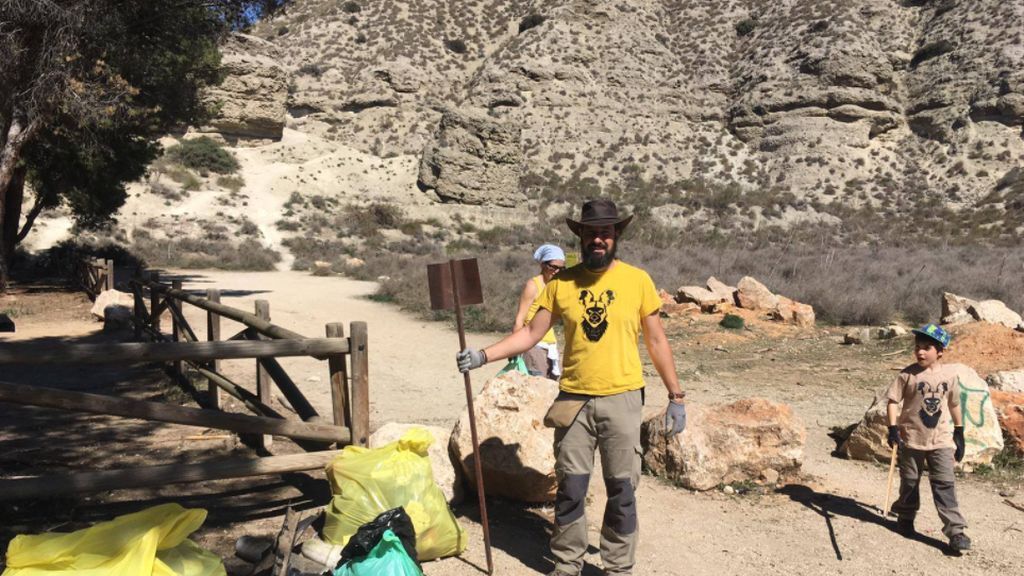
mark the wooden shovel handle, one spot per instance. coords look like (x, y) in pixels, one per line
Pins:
(888, 485)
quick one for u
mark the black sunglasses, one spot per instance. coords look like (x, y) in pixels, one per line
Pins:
(554, 267)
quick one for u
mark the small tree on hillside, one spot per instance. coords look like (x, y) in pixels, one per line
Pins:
(84, 88)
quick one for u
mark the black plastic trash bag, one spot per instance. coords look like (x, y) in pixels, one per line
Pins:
(369, 535)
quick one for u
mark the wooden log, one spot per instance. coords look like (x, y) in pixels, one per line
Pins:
(340, 400)
(276, 374)
(251, 320)
(154, 306)
(360, 384)
(181, 322)
(263, 389)
(60, 353)
(212, 335)
(69, 483)
(140, 310)
(109, 265)
(176, 329)
(155, 411)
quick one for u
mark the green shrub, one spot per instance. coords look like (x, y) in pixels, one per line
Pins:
(732, 322)
(204, 155)
(745, 26)
(352, 7)
(232, 183)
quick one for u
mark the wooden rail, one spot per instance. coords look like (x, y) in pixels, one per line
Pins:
(147, 476)
(95, 275)
(261, 341)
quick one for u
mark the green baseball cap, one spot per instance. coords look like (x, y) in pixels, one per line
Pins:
(934, 332)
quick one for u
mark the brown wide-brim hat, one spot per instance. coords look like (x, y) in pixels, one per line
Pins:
(600, 212)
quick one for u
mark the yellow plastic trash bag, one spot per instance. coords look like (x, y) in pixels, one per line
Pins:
(367, 482)
(151, 542)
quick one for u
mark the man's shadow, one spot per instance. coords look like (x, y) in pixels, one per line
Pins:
(828, 506)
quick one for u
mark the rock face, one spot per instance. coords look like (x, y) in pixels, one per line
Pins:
(111, 298)
(447, 476)
(475, 160)
(1007, 381)
(742, 441)
(1010, 408)
(868, 441)
(252, 98)
(821, 100)
(518, 460)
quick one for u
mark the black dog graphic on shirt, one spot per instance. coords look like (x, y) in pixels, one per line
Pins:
(932, 409)
(595, 314)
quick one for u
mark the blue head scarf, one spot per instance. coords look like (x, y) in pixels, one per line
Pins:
(547, 253)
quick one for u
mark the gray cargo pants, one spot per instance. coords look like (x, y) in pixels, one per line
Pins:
(610, 424)
(941, 478)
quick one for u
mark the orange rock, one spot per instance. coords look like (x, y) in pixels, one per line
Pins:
(1010, 409)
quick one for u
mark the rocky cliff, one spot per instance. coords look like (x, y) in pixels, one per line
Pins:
(799, 104)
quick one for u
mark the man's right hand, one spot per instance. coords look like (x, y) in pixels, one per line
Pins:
(470, 359)
(894, 436)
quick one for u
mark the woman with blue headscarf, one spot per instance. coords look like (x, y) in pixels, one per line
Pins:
(543, 359)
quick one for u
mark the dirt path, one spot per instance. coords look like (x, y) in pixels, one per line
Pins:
(823, 523)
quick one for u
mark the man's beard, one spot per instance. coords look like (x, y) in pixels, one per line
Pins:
(592, 261)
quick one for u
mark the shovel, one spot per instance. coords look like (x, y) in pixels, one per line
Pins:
(453, 284)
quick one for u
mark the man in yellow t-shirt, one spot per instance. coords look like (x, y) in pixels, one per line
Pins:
(604, 304)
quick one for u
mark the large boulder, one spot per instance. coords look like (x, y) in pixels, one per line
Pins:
(742, 441)
(753, 295)
(475, 160)
(517, 455)
(447, 476)
(1006, 381)
(981, 425)
(1010, 408)
(794, 312)
(252, 99)
(995, 312)
(722, 289)
(117, 317)
(111, 298)
(955, 309)
(701, 296)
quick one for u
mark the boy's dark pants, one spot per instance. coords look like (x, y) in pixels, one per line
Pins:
(941, 478)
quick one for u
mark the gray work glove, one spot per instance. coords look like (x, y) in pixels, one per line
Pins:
(470, 358)
(675, 418)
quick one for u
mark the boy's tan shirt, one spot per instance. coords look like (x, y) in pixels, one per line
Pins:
(928, 397)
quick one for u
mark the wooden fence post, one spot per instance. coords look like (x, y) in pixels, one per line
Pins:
(140, 305)
(109, 275)
(359, 351)
(263, 381)
(154, 303)
(339, 380)
(176, 331)
(213, 334)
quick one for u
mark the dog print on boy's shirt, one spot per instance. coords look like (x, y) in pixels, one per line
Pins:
(595, 313)
(931, 408)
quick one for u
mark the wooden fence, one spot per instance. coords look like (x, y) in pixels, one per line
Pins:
(260, 340)
(95, 275)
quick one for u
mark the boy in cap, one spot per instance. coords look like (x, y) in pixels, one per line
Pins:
(929, 430)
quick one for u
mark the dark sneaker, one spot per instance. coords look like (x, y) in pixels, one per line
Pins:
(905, 526)
(960, 543)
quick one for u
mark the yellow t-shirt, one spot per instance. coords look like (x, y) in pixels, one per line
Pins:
(548, 338)
(601, 314)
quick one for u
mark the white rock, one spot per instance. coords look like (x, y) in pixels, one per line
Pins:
(111, 297)
(518, 458)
